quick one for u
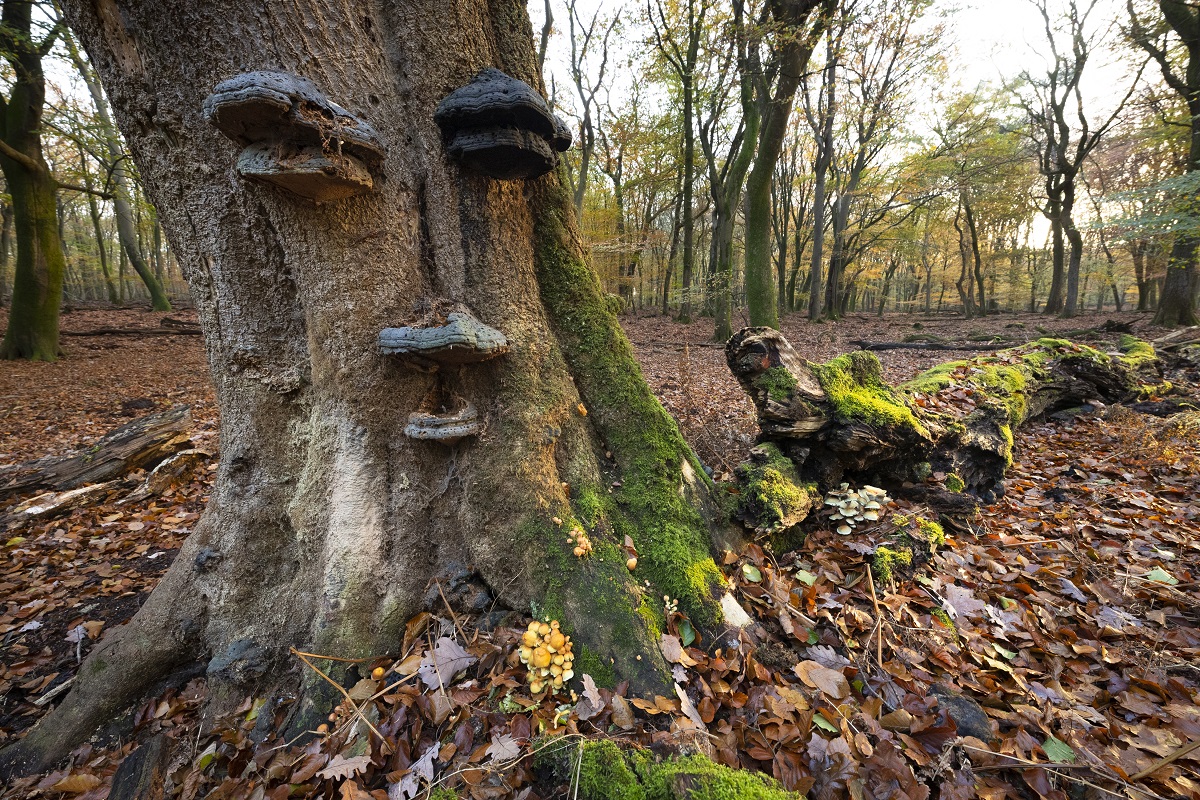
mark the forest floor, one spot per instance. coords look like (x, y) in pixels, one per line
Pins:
(1060, 627)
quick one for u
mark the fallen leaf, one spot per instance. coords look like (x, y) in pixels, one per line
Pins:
(342, 767)
(831, 682)
(443, 662)
(504, 748)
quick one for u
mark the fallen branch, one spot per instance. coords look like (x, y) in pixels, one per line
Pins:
(981, 346)
(141, 443)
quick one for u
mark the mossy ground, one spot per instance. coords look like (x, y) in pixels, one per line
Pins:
(1136, 353)
(886, 560)
(606, 772)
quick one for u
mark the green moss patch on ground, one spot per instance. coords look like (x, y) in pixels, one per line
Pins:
(607, 772)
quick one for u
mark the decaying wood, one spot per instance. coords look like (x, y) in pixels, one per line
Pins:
(52, 504)
(1177, 340)
(141, 443)
(845, 423)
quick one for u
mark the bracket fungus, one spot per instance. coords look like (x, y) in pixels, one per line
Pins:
(546, 651)
(461, 340)
(445, 428)
(502, 127)
(295, 137)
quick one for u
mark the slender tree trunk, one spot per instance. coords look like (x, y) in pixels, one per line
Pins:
(689, 222)
(1075, 259)
(1137, 252)
(6, 224)
(98, 230)
(976, 260)
(121, 190)
(1055, 301)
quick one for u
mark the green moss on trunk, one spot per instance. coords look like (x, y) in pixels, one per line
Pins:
(38, 275)
(658, 495)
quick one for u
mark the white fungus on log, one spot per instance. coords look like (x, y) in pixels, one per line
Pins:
(295, 137)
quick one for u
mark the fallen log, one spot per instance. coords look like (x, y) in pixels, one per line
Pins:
(141, 443)
(840, 421)
(972, 346)
(171, 331)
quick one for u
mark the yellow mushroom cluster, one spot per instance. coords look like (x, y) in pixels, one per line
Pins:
(583, 545)
(546, 651)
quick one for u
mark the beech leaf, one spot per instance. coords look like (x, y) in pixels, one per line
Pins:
(342, 767)
(443, 662)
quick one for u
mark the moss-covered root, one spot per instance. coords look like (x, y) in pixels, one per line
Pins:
(608, 773)
(773, 498)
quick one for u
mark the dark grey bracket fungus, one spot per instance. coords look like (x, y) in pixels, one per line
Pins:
(295, 137)
(502, 127)
(461, 340)
(447, 429)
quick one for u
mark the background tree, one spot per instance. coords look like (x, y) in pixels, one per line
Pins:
(788, 32)
(1181, 287)
(38, 273)
(1061, 148)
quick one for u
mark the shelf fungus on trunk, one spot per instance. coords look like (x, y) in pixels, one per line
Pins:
(295, 137)
(448, 428)
(502, 127)
(462, 339)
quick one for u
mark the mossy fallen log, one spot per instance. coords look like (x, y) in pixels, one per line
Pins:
(840, 421)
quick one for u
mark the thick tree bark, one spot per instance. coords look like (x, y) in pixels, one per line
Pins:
(326, 520)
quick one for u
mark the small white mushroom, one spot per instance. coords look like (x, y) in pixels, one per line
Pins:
(844, 530)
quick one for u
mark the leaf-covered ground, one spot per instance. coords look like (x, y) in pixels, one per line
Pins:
(1050, 649)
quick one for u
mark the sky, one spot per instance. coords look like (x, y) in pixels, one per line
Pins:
(994, 41)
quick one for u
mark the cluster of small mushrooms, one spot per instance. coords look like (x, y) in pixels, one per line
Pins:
(853, 506)
(583, 545)
(546, 651)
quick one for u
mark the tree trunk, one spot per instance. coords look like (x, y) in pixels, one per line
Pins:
(6, 223)
(38, 274)
(1055, 300)
(794, 51)
(327, 520)
(1071, 303)
(816, 296)
(122, 208)
(689, 223)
